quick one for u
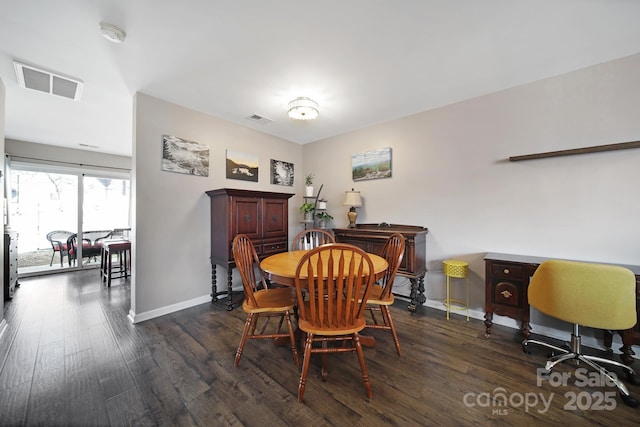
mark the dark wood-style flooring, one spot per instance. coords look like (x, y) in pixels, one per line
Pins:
(70, 357)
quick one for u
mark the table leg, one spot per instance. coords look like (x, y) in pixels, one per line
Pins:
(413, 295)
(488, 323)
(214, 288)
(627, 342)
(229, 289)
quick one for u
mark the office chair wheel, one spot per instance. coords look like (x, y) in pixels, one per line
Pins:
(544, 374)
(629, 400)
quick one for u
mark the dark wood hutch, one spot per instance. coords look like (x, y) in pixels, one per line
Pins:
(372, 237)
(261, 215)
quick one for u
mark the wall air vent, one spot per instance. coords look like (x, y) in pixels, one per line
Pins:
(31, 77)
(260, 119)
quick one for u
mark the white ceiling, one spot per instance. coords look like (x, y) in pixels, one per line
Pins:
(363, 61)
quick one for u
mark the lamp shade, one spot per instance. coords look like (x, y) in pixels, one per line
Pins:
(303, 109)
(352, 198)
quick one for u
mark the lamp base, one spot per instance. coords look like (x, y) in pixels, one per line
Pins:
(352, 215)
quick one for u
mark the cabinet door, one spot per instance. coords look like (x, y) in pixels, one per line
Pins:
(246, 217)
(275, 218)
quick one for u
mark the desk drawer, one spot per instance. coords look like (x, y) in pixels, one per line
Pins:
(506, 271)
(507, 293)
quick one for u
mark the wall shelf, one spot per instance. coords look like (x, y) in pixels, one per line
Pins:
(571, 152)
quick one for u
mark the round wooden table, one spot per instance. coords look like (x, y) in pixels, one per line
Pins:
(281, 268)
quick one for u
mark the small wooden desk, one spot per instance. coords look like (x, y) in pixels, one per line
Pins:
(281, 268)
(507, 279)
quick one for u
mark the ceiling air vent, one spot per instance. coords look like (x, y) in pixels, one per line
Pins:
(258, 118)
(41, 80)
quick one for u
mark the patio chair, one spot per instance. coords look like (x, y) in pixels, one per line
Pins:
(91, 244)
(58, 240)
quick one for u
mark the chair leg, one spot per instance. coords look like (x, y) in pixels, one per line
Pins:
(292, 338)
(52, 255)
(325, 368)
(597, 359)
(363, 366)
(305, 366)
(553, 361)
(626, 396)
(243, 339)
(389, 321)
(543, 344)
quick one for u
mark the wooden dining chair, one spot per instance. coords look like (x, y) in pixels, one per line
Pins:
(381, 297)
(333, 277)
(312, 238)
(260, 301)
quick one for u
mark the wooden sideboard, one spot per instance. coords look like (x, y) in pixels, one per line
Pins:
(372, 237)
(507, 279)
(262, 216)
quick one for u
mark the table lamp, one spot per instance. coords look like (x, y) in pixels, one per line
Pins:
(352, 198)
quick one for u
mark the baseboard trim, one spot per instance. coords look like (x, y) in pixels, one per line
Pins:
(151, 314)
(546, 331)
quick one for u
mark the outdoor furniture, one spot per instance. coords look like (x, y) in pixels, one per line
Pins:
(108, 271)
(91, 244)
(58, 240)
(121, 233)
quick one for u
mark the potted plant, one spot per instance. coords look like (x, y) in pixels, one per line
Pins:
(307, 209)
(323, 219)
(308, 182)
(322, 204)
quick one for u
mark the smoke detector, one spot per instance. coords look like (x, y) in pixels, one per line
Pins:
(112, 33)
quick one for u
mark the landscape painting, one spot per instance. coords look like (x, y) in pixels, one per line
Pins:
(281, 172)
(371, 164)
(242, 166)
(182, 156)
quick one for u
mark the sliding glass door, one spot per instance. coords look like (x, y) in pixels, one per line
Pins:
(50, 206)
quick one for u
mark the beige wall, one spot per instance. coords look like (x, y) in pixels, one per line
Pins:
(172, 233)
(451, 174)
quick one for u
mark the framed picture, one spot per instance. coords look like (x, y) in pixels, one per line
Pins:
(371, 164)
(242, 166)
(281, 173)
(182, 156)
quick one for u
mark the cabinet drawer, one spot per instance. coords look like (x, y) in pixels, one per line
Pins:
(506, 271)
(507, 293)
(273, 247)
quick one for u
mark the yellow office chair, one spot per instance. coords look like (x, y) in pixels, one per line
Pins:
(593, 295)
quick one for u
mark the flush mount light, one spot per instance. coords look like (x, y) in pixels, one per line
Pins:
(303, 109)
(112, 33)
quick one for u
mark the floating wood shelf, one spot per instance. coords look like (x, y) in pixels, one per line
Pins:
(571, 152)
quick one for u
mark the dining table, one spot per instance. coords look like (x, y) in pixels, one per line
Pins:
(281, 269)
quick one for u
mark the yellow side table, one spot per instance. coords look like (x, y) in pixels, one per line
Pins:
(453, 268)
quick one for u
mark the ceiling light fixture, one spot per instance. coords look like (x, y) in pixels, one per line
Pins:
(112, 33)
(303, 109)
